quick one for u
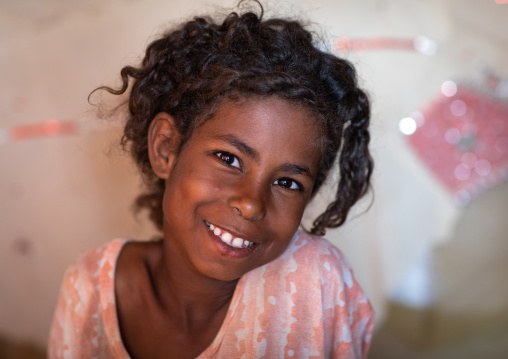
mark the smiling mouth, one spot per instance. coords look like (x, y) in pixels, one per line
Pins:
(228, 238)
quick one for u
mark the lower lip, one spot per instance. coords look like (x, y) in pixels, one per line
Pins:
(230, 251)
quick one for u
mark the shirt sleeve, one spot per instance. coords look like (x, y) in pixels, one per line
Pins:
(346, 310)
(75, 321)
(305, 304)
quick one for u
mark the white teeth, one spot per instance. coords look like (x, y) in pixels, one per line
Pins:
(228, 238)
(237, 242)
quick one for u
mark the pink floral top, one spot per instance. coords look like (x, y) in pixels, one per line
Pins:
(304, 304)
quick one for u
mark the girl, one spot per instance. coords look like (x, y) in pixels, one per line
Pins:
(235, 126)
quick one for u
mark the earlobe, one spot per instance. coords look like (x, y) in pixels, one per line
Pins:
(163, 144)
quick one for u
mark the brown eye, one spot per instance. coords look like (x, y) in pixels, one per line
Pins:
(288, 183)
(228, 158)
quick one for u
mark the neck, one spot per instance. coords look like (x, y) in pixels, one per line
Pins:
(187, 296)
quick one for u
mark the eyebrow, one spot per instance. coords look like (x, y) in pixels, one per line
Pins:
(240, 145)
(296, 170)
(252, 153)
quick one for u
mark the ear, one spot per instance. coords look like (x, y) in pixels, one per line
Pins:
(163, 144)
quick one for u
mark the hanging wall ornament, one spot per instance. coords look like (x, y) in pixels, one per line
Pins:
(463, 138)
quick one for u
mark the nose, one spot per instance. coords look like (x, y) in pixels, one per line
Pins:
(249, 202)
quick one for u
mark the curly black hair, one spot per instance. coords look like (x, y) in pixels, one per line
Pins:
(189, 70)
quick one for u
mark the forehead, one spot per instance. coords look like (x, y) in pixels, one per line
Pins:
(286, 122)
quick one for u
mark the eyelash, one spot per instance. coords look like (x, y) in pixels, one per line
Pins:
(298, 185)
(232, 161)
(226, 158)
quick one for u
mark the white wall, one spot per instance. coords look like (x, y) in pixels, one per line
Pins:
(62, 195)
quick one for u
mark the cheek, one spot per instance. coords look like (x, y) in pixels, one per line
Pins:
(286, 221)
(190, 188)
(291, 209)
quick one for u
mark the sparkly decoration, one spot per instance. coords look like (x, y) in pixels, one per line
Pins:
(420, 44)
(463, 138)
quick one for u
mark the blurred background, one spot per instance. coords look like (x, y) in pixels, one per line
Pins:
(430, 247)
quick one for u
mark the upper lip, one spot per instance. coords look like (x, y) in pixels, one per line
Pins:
(234, 233)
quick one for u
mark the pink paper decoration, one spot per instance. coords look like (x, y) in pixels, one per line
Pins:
(43, 129)
(420, 44)
(463, 138)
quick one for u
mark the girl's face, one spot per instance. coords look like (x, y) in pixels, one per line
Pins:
(236, 192)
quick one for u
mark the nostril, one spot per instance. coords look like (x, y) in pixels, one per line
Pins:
(249, 205)
(248, 213)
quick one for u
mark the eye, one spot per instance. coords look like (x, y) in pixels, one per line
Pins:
(228, 158)
(288, 183)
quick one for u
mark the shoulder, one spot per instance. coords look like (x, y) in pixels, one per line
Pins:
(310, 294)
(312, 266)
(317, 254)
(345, 306)
(84, 273)
(80, 294)
(320, 261)
(93, 258)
